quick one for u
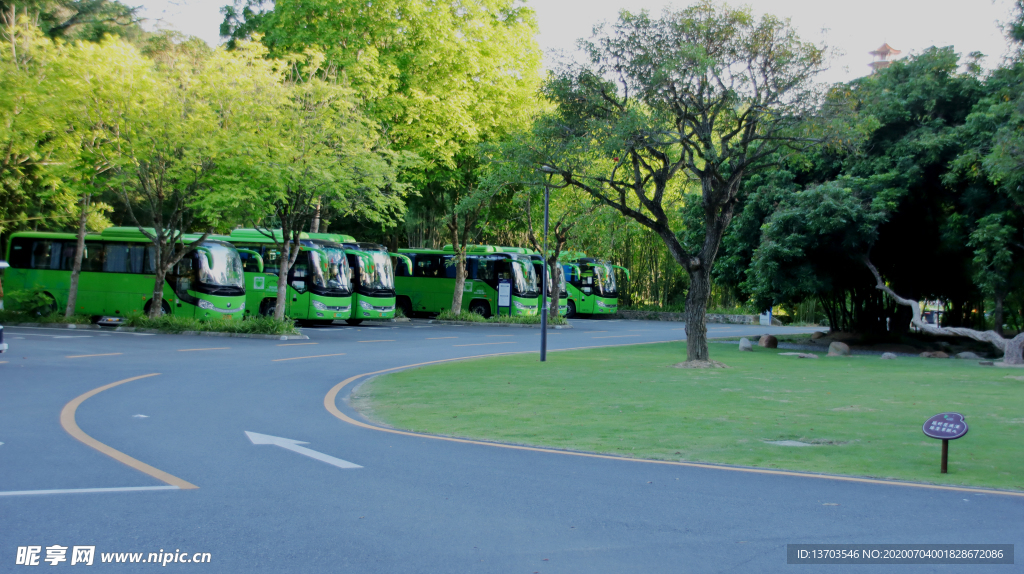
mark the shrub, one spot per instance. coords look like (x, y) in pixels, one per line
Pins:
(257, 324)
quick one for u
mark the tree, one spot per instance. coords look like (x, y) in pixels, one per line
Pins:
(1013, 349)
(707, 91)
(438, 78)
(292, 141)
(511, 167)
(87, 20)
(30, 125)
(101, 82)
(165, 158)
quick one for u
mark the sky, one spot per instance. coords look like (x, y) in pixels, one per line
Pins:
(853, 28)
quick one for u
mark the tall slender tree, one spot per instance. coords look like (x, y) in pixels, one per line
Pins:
(710, 93)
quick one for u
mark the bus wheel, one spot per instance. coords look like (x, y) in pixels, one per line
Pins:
(47, 305)
(354, 321)
(165, 309)
(480, 308)
(570, 310)
(268, 307)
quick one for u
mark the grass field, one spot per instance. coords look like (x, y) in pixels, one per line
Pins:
(863, 414)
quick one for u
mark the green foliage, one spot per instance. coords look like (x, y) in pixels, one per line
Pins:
(470, 317)
(257, 324)
(467, 316)
(8, 316)
(32, 303)
(86, 20)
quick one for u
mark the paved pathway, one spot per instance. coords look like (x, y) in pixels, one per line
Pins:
(416, 505)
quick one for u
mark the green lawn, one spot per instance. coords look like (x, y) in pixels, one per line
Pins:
(865, 414)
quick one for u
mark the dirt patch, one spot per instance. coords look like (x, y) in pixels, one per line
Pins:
(701, 365)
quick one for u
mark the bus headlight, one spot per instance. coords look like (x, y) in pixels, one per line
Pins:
(204, 304)
(319, 306)
(366, 306)
(519, 305)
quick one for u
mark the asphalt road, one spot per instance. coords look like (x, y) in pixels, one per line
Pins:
(417, 504)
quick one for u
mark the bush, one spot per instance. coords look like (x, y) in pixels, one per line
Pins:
(466, 316)
(257, 325)
(7, 316)
(34, 303)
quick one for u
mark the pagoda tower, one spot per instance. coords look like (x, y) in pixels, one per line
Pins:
(882, 57)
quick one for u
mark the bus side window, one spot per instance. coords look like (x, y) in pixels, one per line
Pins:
(428, 266)
(115, 258)
(92, 257)
(450, 269)
(299, 272)
(249, 263)
(271, 259)
(45, 254)
(401, 270)
(21, 248)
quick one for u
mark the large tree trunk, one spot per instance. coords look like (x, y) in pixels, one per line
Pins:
(460, 281)
(460, 264)
(156, 307)
(696, 305)
(1013, 349)
(553, 285)
(997, 314)
(282, 276)
(76, 268)
(315, 226)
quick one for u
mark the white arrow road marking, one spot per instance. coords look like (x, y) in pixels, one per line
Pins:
(140, 416)
(293, 445)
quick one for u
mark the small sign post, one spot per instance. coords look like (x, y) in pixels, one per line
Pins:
(505, 297)
(945, 426)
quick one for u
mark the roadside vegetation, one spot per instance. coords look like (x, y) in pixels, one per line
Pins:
(470, 317)
(258, 325)
(862, 415)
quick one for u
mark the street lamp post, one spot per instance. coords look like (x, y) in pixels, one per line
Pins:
(544, 268)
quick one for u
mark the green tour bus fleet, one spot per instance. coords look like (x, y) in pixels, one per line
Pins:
(334, 278)
(117, 274)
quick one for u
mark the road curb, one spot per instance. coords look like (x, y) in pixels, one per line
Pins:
(474, 324)
(159, 332)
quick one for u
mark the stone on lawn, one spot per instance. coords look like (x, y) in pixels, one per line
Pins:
(837, 349)
(768, 342)
(817, 335)
(746, 345)
(934, 355)
(968, 355)
(888, 355)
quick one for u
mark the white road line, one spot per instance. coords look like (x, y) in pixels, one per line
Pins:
(293, 445)
(85, 490)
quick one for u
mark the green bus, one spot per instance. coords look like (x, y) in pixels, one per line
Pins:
(591, 285)
(373, 275)
(319, 287)
(117, 274)
(431, 285)
(559, 280)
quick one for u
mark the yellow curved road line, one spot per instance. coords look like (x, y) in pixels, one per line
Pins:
(330, 403)
(67, 420)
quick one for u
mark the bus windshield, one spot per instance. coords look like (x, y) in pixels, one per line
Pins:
(339, 275)
(524, 277)
(223, 267)
(605, 275)
(375, 271)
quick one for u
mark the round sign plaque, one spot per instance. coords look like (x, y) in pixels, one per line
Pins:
(946, 426)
